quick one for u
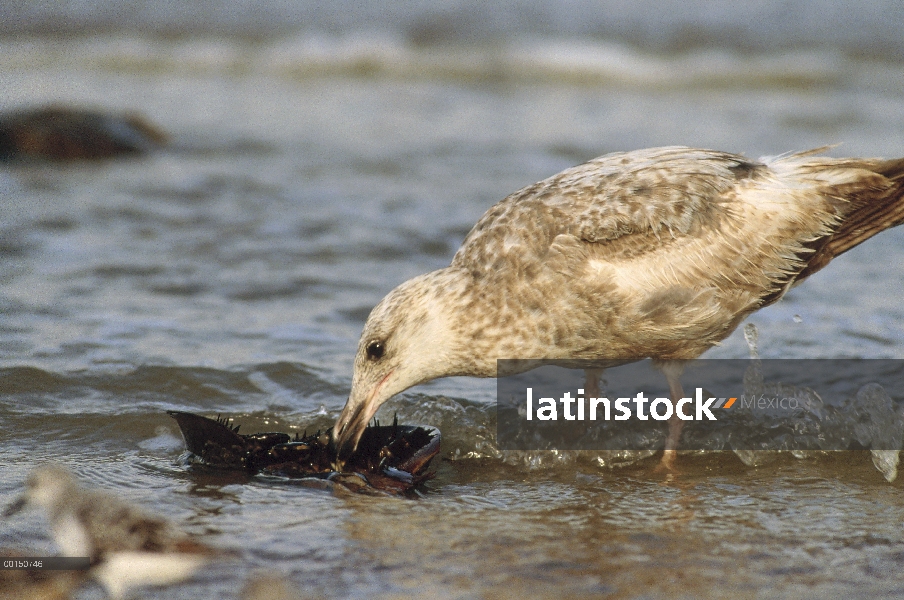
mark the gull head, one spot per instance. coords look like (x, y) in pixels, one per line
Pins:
(410, 337)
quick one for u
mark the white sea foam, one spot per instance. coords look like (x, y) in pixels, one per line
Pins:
(552, 60)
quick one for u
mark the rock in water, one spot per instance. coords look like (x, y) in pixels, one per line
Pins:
(67, 134)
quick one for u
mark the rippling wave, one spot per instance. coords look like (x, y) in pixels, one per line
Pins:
(543, 60)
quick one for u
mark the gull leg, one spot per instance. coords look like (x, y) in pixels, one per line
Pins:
(591, 390)
(672, 372)
(592, 382)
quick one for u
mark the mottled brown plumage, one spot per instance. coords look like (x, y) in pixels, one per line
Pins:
(657, 253)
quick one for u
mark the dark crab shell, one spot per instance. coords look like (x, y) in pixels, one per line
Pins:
(392, 458)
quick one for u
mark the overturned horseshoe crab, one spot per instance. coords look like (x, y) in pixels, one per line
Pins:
(390, 458)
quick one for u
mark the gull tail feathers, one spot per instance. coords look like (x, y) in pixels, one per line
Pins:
(877, 205)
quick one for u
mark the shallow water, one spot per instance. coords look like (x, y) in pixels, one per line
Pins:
(312, 171)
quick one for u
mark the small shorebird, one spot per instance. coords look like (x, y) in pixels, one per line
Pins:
(127, 546)
(657, 253)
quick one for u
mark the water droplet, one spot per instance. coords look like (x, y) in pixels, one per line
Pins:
(751, 335)
(798, 319)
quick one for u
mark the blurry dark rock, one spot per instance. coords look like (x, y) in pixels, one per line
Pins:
(65, 134)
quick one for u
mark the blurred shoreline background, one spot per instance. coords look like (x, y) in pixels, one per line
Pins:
(321, 153)
(868, 30)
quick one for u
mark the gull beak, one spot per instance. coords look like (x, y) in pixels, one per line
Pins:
(15, 507)
(348, 430)
(353, 421)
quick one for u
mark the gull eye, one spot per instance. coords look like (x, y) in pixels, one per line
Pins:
(375, 350)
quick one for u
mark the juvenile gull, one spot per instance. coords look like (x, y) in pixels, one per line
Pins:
(127, 546)
(656, 253)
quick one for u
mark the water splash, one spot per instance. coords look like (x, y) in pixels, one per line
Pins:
(751, 335)
(877, 424)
